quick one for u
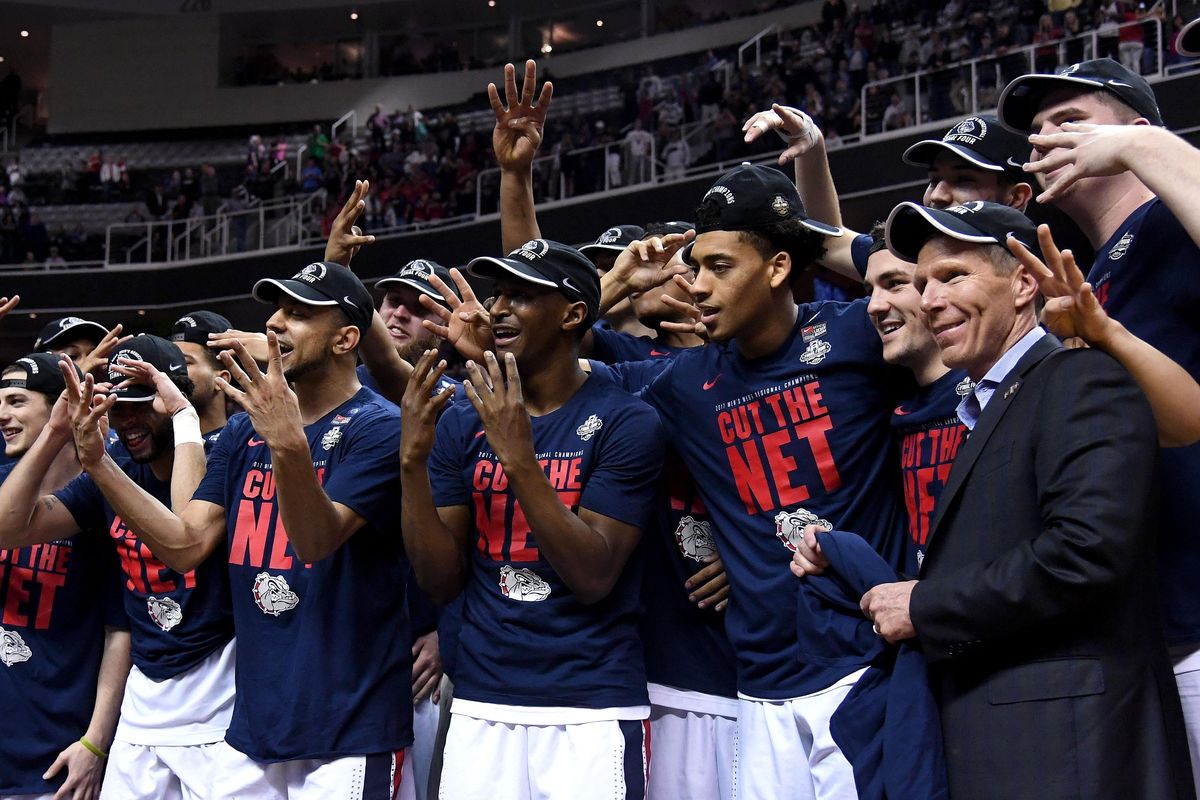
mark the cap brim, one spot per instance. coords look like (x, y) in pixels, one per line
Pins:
(923, 154)
(1017, 112)
(822, 227)
(491, 267)
(588, 249)
(94, 327)
(1188, 43)
(426, 290)
(911, 225)
(268, 290)
(124, 396)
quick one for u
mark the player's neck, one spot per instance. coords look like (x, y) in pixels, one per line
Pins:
(322, 390)
(212, 416)
(1102, 207)
(770, 330)
(930, 370)
(552, 384)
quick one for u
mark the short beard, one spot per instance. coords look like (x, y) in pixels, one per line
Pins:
(416, 348)
(161, 440)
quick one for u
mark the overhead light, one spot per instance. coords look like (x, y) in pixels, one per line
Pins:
(141, 312)
(24, 34)
(354, 14)
(33, 315)
(546, 48)
(491, 3)
(1, 59)
(599, 23)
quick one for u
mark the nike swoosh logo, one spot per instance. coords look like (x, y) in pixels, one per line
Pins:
(1113, 82)
(254, 442)
(347, 300)
(900, 412)
(709, 384)
(173, 367)
(659, 353)
(567, 283)
(1016, 164)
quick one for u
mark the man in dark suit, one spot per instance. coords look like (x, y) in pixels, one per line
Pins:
(1034, 606)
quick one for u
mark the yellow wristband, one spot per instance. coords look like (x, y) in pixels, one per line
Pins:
(91, 748)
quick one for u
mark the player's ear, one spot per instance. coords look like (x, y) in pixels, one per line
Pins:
(346, 340)
(779, 269)
(575, 316)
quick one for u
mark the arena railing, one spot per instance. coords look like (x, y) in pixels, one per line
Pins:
(756, 42)
(973, 86)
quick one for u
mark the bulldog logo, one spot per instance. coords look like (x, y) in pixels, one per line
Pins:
(815, 352)
(272, 594)
(312, 273)
(164, 611)
(609, 236)
(417, 269)
(1119, 249)
(964, 387)
(790, 525)
(534, 248)
(523, 584)
(969, 131)
(589, 427)
(695, 538)
(13, 649)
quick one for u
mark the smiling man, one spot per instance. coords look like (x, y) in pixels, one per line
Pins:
(531, 502)
(1034, 607)
(190, 333)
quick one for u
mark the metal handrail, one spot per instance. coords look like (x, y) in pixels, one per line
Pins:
(352, 117)
(756, 42)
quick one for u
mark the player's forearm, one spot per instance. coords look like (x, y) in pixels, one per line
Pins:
(390, 371)
(814, 181)
(1173, 394)
(170, 539)
(187, 470)
(314, 526)
(110, 688)
(1170, 167)
(438, 559)
(580, 555)
(22, 490)
(518, 217)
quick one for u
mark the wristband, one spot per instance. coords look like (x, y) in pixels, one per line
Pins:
(91, 748)
(187, 427)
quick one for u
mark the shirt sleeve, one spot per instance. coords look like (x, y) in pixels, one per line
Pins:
(83, 499)
(367, 477)
(624, 483)
(212, 485)
(605, 344)
(445, 463)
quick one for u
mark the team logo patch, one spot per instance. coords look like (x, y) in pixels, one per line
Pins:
(966, 208)
(815, 352)
(1119, 249)
(523, 584)
(969, 131)
(589, 427)
(272, 594)
(695, 538)
(609, 236)
(340, 420)
(331, 438)
(781, 206)
(164, 611)
(126, 354)
(810, 332)
(964, 387)
(417, 269)
(534, 248)
(790, 525)
(13, 649)
(312, 273)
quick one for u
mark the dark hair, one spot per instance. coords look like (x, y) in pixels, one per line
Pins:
(878, 236)
(803, 245)
(184, 384)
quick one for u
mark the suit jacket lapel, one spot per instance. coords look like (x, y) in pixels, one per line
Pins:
(996, 407)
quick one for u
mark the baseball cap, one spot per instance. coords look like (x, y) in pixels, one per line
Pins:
(1021, 99)
(1188, 43)
(69, 329)
(165, 356)
(981, 141)
(911, 225)
(615, 239)
(551, 264)
(323, 283)
(195, 327)
(41, 375)
(416, 274)
(750, 196)
(668, 228)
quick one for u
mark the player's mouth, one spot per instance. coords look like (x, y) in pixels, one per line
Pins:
(944, 332)
(505, 335)
(285, 349)
(133, 440)
(708, 315)
(10, 433)
(399, 334)
(887, 327)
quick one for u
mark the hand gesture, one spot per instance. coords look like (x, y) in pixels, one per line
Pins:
(809, 560)
(84, 773)
(345, 239)
(501, 407)
(1086, 150)
(709, 588)
(272, 405)
(466, 325)
(86, 410)
(168, 400)
(99, 355)
(426, 667)
(254, 343)
(419, 408)
(799, 133)
(519, 125)
(647, 264)
(691, 315)
(7, 304)
(1071, 308)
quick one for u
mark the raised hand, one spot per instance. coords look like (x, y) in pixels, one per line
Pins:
(7, 304)
(501, 407)
(647, 264)
(254, 343)
(99, 355)
(519, 122)
(1071, 308)
(419, 408)
(345, 239)
(86, 411)
(168, 400)
(799, 133)
(691, 315)
(466, 325)
(268, 399)
(1086, 151)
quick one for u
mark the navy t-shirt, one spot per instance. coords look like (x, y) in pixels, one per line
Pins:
(56, 599)
(775, 443)
(1147, 276)
(176, 620)
(929, 433)
(525, 639)
(614, 347)
(686, 646)
(367, 380)
(324, 649)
